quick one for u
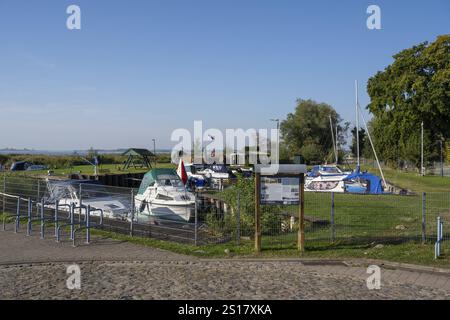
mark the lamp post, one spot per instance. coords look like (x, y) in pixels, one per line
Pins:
(154, 150)
(278, 123)
(278, 138)
(278, 128)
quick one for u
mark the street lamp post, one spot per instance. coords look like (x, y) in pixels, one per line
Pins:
(278, 128)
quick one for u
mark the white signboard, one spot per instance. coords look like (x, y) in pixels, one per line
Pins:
(280, 190)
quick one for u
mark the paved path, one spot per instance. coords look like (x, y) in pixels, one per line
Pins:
(117, 270)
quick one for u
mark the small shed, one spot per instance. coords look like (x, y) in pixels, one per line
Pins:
(138, 158)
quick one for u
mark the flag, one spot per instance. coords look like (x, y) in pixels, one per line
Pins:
(182, 172)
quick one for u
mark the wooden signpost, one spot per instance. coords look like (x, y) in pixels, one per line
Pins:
(284, 171)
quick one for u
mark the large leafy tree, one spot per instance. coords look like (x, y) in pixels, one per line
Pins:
(362, 141)
(307, 132)
(414, 88)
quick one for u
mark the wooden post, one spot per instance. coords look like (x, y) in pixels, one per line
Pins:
(257, 212)
(301, 229)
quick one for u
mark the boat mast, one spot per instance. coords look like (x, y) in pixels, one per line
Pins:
(337, 147)
(373, 148)
(332, 138)
(357, 123)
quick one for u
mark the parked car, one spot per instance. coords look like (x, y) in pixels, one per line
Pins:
(20, 165)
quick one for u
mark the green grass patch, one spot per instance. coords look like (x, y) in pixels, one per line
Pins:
(408, 252)
(89, 170)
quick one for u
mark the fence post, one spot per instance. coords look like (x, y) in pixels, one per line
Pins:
(30, 209)
(424, 220)
(4, 191)
(17, 225)
(42, 219)
(88, 224)
(257, 212)
(72, 220)
(132, 212)
(80, 205)
(238, 218)
(38, 191)
(3, 202)
(196, 221)
(333, 230)
(56, 217)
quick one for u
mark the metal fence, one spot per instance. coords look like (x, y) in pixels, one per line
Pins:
(329, 218)
(352, 219)
(207, 224)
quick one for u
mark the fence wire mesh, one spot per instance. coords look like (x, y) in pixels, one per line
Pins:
(329, 218)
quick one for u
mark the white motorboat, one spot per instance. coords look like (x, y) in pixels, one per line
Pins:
(94, 195)
(215, 171)
(163, 196)
(197, 180)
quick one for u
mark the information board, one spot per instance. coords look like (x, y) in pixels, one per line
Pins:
(280, 190)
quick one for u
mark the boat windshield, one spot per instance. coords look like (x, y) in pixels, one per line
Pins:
(170, 183)
(331, 170)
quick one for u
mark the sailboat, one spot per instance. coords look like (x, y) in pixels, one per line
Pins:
(363, 182)
(330, 178)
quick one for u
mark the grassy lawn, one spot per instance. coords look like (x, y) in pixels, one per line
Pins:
(408, 252)
(414, 182)
(89, 170)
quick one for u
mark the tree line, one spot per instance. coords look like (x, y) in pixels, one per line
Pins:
(415, 88)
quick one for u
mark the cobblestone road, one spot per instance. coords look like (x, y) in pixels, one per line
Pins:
(145, 273)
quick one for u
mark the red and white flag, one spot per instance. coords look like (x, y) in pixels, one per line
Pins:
(182, 172)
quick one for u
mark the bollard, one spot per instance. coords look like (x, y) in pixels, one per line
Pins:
(42, 220)
(439, 237)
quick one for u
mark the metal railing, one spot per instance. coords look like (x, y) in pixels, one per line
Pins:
(331, 218)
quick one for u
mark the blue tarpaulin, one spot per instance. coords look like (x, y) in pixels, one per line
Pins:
(374, 182)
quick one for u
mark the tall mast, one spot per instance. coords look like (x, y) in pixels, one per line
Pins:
(373, 148)
(337, 146)
(334, 142)
(357, 123)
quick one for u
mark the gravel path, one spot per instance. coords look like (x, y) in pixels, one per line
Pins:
(200, 280)
(117, 270)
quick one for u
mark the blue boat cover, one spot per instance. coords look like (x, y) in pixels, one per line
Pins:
(374, 181)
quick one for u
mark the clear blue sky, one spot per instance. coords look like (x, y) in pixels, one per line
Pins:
(139, 69)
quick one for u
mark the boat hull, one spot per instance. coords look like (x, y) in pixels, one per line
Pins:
(149, 211)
